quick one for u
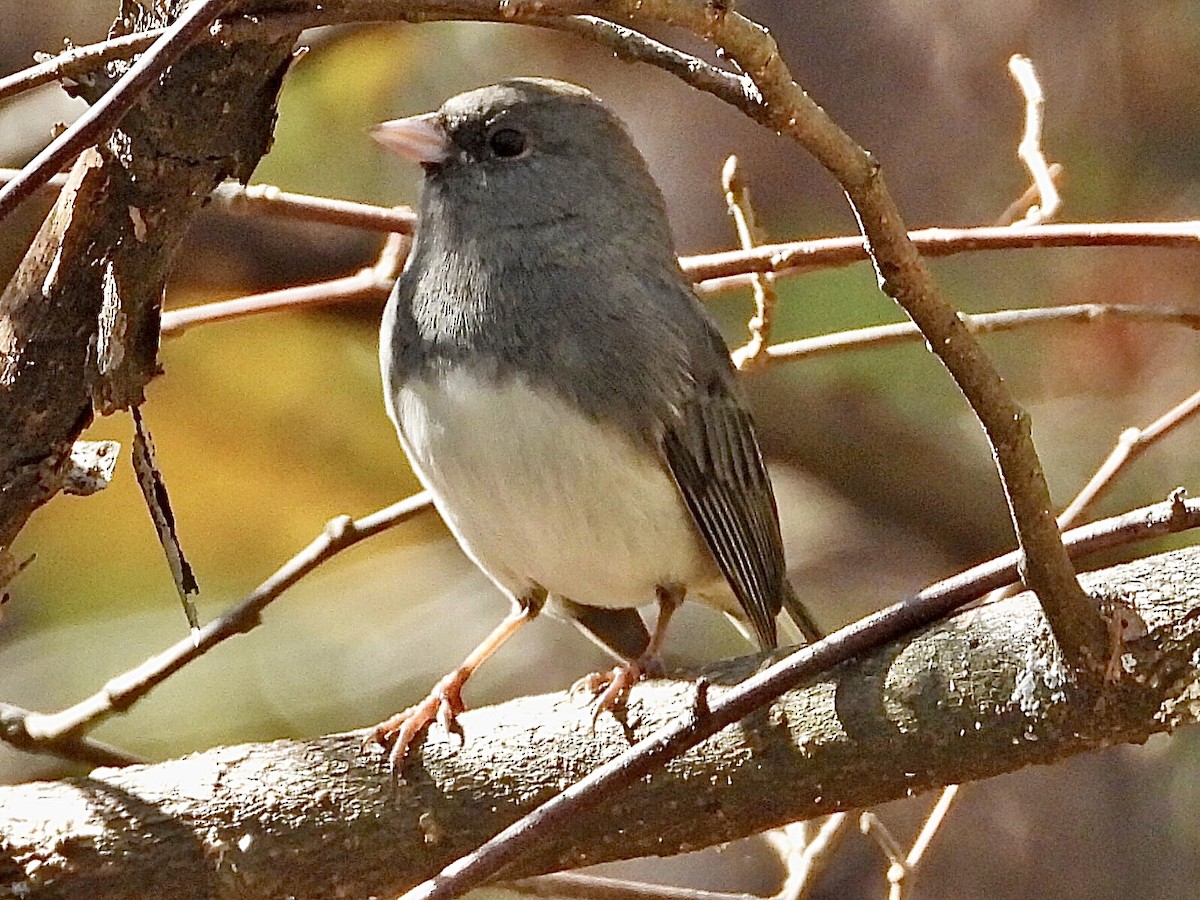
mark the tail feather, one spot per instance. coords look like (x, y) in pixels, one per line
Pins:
(799, 614)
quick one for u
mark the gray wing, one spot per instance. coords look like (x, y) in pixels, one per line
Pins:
(714, 458)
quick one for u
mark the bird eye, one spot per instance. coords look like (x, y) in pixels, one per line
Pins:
(507, 142)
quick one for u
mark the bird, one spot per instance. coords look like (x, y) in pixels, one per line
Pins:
(563, 395)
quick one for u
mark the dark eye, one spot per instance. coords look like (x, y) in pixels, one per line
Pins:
(507, 142)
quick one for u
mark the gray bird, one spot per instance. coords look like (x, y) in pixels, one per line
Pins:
(561, 392)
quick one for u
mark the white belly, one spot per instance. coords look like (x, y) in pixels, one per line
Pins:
(537, 493)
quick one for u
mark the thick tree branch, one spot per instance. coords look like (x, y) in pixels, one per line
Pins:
(79, 320)
(968, 698)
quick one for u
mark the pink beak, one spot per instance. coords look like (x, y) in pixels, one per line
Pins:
(419, 138)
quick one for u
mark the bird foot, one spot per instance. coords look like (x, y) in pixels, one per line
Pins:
(444, 704)
(612, 688)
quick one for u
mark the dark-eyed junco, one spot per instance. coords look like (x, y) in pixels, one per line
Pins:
(561, 392)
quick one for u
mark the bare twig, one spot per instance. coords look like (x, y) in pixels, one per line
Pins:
(930, 605)
(805, 860)
(827, 253)
(1132, 443)
(633, 45)
(77, 60)
(1019, 207)
(897, 873)
(74, 748)
(365, 286)
(903, 867)
(368, 285)
(107, 112)
(933, 822)
(582, 886)
(877, 336)
(737, 198)
(1030, 148)
(872, 826)
(126, 689)
(264, 198)
(268, 200)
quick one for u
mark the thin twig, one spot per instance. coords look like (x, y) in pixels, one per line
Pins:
(126, 689)
(872, 826)
(843, 251)
(879, 336)
(930, 605)
(368, 285)
(1132, 443)
(933, 822)
(76, 61)
(817, 857)
(268, 200)
(737, 199)
(106, 113)
(1030, 148)
(1019, 207)
(735, 89)
(903, 867)
(582, 886)
(265, 198)
(805, 861)
(74, 748)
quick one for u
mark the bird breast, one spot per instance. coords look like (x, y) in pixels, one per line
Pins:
(538, 492)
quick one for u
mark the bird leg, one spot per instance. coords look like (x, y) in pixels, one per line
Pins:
(616, 684)
(444, 702)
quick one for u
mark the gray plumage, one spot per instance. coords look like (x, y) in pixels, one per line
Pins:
(558, 386)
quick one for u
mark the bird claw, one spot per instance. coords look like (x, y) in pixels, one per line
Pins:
(443, 704)
(611, 689)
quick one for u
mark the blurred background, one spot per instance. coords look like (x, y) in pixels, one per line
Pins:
(267, 428)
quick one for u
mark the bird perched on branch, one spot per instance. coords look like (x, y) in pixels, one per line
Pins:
(562, 394)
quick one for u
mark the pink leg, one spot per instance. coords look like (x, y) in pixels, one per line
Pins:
(616, 684)
(444, 702)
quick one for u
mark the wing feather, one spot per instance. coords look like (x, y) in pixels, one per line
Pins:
(714, 457)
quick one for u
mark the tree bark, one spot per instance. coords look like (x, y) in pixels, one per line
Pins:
(79, 321)
(974, 696)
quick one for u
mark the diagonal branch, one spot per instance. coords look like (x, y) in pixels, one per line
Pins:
(903, 275)
(106, 113)
(322, 818)
(122, 692)
(854, 642)
(79, 748)
(95, 273)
